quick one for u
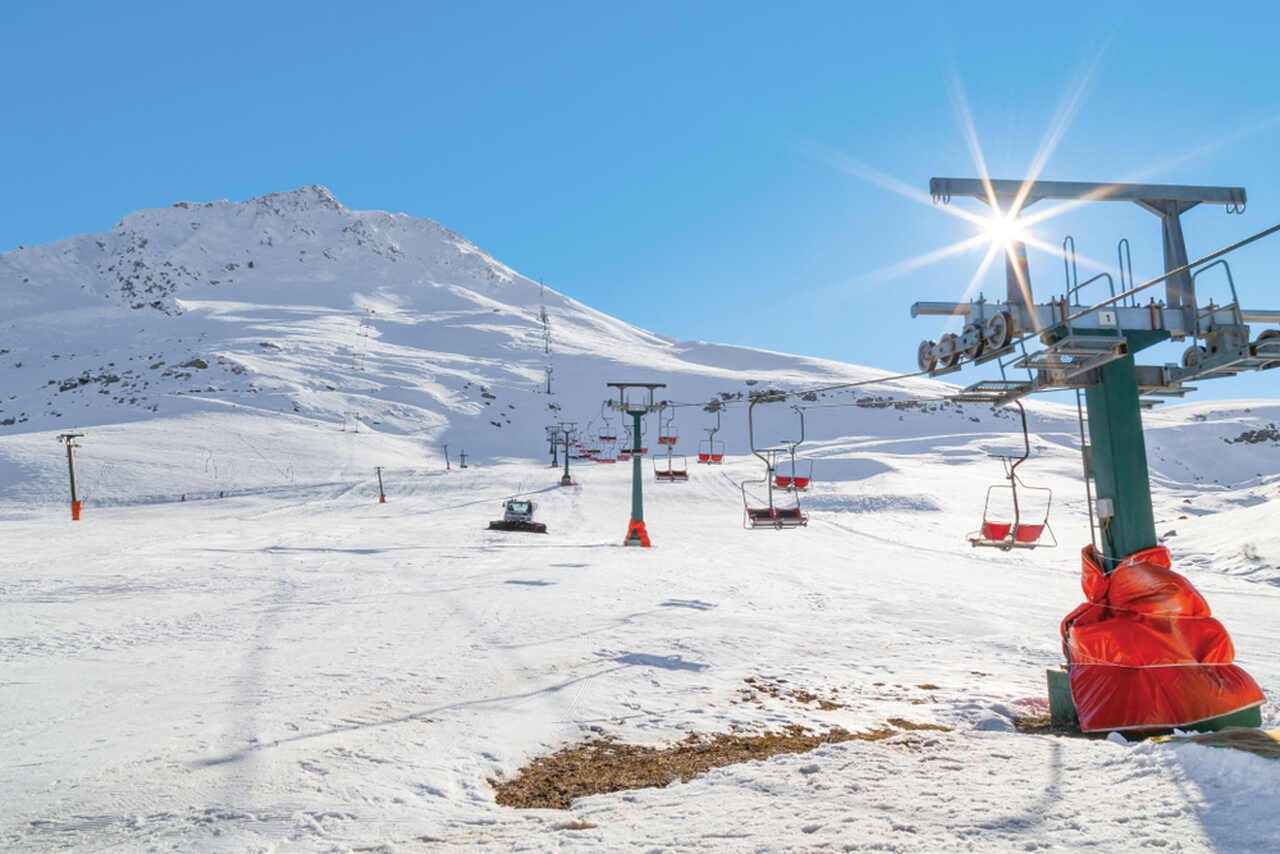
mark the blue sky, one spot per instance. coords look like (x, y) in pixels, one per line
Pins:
(697, 169)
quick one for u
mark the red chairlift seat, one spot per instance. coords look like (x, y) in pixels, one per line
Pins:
(1004, 528)
(1028, 533)
(710, 451)
(670, 474)
(1000, 533)
(775, 517)
(996, 530)
(792, 478)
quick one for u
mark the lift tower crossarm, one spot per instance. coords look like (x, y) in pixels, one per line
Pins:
(944, 189)
(1167, 201)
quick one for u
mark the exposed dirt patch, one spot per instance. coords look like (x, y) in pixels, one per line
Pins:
(1040, 723)
(903, 723)
(606, 765)
(780, 690)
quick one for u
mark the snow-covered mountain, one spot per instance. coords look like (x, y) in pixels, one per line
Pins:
(291, 302)
(294, 308)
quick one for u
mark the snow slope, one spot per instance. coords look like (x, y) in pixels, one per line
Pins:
(290, 303)
(295, 667)
(329, 673)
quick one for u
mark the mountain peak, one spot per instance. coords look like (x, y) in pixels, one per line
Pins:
(303, 198)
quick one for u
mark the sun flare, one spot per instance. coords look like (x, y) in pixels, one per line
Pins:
(1005, 230)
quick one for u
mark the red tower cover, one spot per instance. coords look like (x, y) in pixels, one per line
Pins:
(1145, 653)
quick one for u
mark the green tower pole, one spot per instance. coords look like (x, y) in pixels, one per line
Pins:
(636, 534)
(1119, 461)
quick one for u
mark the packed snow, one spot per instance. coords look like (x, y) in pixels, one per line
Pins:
(239, 649)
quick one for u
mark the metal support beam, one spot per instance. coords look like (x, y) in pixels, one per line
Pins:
(943, 189)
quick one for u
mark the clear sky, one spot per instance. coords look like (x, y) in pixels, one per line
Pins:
(697, 169)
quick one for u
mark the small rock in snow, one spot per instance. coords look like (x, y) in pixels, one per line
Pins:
(993, 724)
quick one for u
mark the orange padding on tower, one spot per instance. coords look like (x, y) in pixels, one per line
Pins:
(635, 530)
(75, 511)
(1144, 651)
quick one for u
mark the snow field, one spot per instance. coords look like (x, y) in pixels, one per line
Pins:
(297, 667)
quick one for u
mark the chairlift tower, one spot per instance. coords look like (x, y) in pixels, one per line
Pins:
(69, 439)
(1093, 347)
(565, 430)
(637, 409)
(553, 437)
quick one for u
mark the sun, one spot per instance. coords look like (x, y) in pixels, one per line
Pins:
(1004, 230)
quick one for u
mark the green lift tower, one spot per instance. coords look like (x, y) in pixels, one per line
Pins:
(1066, 344)
(636, 400)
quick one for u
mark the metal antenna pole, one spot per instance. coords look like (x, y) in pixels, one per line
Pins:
(382, 494)
(446, 458)
(69, 439)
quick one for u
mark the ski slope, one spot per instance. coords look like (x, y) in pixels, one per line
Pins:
(317, 671)
(239, 649)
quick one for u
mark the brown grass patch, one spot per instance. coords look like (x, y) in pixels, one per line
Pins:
(903, 723)
(1040, 723)
(774, 688)
(606, 765)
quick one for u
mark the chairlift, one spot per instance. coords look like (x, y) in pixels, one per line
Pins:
(608, 434)
(792, 473)
(667, 432)
(629, 441)
(710, 449)
(1012, 516)
(766, 513)
(672, 473)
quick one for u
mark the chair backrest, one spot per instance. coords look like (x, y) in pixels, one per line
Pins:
(1028, 533)
(996, 530)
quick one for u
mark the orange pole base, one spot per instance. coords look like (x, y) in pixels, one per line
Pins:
(382, 499)
(75, 511)
(636, 535)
